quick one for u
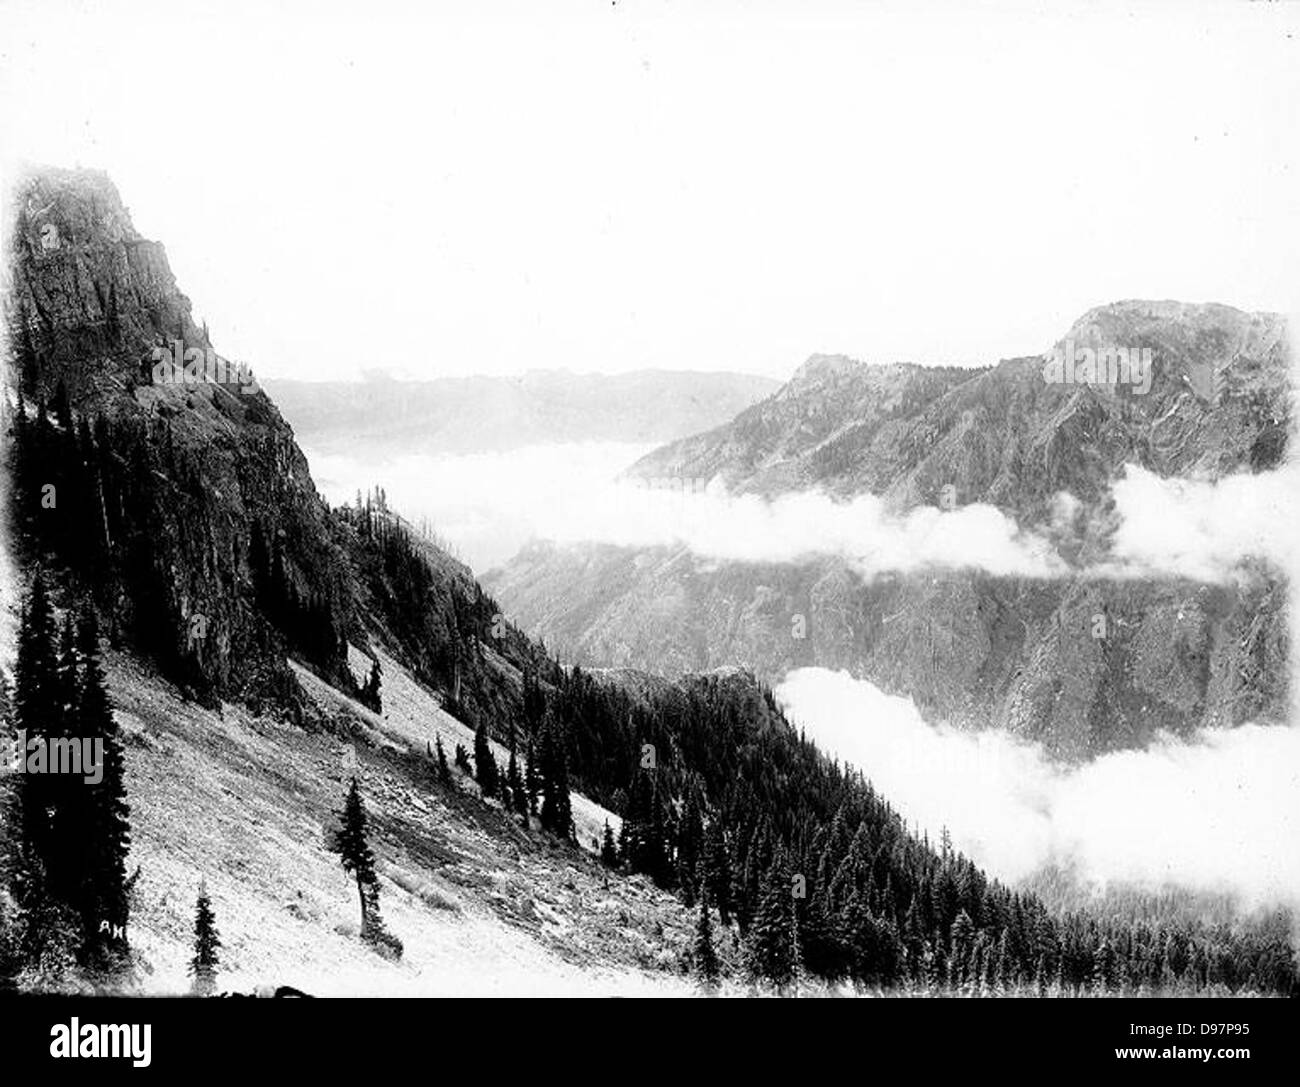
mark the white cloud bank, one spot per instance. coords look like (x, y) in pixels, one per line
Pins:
(486, 505)
(489, 505)
(746, 528)
(1201, 529)
(1219, 812)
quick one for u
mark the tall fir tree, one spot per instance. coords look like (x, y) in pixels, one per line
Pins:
(532, 778)
(106, 830)
(350, 842)
(707, 966)
(371, 695)
(38, 709)
(608, 848)
(39, 865)
(717, 869)
(207, 941)
(518, 790)
(557, 809)
(444, 771)
(485, 765)
(772, 947)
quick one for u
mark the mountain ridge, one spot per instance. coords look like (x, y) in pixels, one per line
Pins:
(969, 648)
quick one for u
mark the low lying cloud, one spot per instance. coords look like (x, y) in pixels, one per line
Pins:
(1202, 530)
(489, 505)
(1219, 812)
(1163, 528)
(485, 505)
(746, 528)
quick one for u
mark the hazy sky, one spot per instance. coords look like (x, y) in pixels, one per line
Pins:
(441, 188)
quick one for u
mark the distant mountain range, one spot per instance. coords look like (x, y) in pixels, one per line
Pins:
(383, 417)
(968, 647)
(1003, 434)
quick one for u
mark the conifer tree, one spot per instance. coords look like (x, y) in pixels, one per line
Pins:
(557, 810)
(534, 702)
(608, 849)
(961, 941)
(823, 950)
(485, 766)
(717, 874)
(1008, 968)
(105, 830)
(66, 798)
(444, 771)
(771, 949)
(38, 706)
(1103, 967)
(690, 834)
(532, 779)
(370, 694)
(350, 843)
(518, 789)
(203, 966)
(706, 958)
(515, 783)
(62, 406)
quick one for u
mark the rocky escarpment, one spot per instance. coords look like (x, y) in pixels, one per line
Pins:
(154, 476)
(160, 474)
(1084, 663)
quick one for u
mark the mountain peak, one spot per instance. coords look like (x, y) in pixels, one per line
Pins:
(819, 368)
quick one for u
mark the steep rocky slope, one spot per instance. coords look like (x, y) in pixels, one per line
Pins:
(483, 907)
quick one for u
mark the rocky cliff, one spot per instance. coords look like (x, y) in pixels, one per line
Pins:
(156, 475)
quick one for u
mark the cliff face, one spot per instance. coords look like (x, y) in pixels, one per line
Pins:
(155, 476)
(974, 649)
(165, 471)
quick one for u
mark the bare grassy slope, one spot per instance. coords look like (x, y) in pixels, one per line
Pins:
(482, 906)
